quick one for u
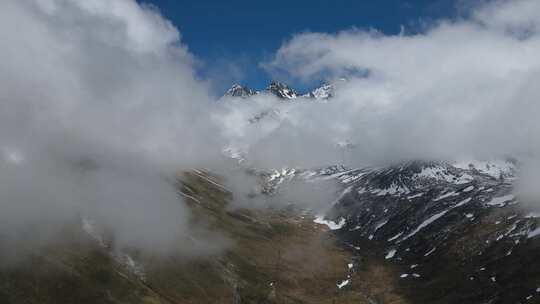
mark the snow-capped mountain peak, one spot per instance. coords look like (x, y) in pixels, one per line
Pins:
(240, 91)
(281, 90)
(325, 91)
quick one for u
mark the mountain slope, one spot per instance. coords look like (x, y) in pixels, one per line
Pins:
(417, 232)
(452, 235)
(272, 256)
(239, 91)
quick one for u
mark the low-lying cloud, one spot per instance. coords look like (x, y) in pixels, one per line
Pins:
(100, 108)
(461, 88)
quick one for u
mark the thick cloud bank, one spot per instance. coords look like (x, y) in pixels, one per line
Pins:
(99, 107)
(461, 88)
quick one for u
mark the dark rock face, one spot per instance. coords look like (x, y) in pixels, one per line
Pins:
(453, 234)
(281, 90)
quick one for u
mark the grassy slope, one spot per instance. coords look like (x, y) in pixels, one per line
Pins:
(300, 260)
(74, 270)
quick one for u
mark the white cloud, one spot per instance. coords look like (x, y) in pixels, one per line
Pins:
(99, 102)
(99, 105)
(463, 87)
(515, 17)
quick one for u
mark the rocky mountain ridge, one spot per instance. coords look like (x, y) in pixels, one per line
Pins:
(452, 232)
(282, 91)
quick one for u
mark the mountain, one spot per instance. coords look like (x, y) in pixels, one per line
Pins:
(414, 232)
(448, 233)
(428, 231)
(272, 256)
(411, 232)
(431, 231)
(282, 91)
(240, 91)
(325, 91)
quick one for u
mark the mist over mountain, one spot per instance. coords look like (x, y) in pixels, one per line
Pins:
(409, 175)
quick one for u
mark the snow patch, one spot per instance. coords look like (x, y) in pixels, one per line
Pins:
(128, 262)
(390, 254)
(415, 196)
(468, 189)
(435, 217)
(463, 202)
(449, 194)
(442, 173)
(501, 200)
(343, 284)
(330, 224)
(533, 233)
(395, 237)
(494, 168)
(89, 227)
(380, 225)
(392, 190)
(430, 252)
(532, 215)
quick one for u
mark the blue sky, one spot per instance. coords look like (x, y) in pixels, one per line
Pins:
(231, 38)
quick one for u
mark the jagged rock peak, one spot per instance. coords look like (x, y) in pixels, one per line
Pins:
(325, 91)
(281, 90)
(240, 91)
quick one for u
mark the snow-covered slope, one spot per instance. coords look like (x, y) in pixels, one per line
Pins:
(451, 232)
(454, 232)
